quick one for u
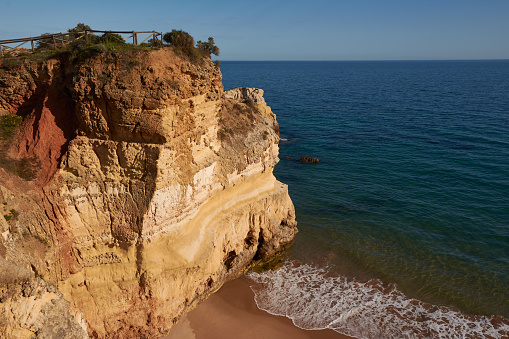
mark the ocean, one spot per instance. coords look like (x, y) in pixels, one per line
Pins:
(404, 222)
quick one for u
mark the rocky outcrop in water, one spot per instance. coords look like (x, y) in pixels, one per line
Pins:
(309, 160)
(135, 188)
(252, 96)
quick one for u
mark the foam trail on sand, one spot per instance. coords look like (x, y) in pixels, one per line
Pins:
(316, 299)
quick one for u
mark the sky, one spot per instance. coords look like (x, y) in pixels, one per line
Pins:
(290, 30)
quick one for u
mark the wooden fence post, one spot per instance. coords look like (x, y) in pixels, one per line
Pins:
(66, 38)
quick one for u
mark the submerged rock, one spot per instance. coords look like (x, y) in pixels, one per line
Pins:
(308, 160)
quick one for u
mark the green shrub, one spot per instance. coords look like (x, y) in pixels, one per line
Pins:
(8, 217)
(76, 46)
(208, 48)
(8, 125)
(155, 42)
(81, 43)
(111, 38)
(44, 43)
(80, 27)
(47, 43)
(11, 62)
(180, 39)
(50, 44)
(41, 56)
(82, 51)
(183, 42)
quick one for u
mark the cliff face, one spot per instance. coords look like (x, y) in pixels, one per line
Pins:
(138, 187)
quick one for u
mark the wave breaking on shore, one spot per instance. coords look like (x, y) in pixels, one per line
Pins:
(315, 298)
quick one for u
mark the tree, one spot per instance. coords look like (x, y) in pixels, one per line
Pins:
(183, 43)
(80, 27)
(45, 43)
(112, 38)
(180, 39)
(154, 42)
(208, 48)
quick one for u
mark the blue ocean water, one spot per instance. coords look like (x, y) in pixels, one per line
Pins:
(409, 204)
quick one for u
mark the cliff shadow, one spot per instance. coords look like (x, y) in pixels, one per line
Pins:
(42, 138)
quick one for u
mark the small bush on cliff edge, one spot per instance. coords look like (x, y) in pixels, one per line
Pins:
(184, 43)
(112, 38)
(208, 48)
(80, 27)
(179, 38)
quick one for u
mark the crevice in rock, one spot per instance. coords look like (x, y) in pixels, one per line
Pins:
(48, 126)
(34, 269)
(250, 239)
(261, 241)
(228, 261)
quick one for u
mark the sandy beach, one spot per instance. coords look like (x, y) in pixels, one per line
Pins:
(232, 313)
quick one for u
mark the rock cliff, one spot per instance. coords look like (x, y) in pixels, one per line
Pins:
(132, 188)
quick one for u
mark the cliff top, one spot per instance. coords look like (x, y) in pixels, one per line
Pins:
(81, 43)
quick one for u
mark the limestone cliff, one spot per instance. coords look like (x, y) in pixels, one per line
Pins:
(136, 186)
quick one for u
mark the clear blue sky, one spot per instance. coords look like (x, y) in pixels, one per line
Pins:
(290, 30)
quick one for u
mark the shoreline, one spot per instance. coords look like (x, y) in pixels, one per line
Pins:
(231, 312)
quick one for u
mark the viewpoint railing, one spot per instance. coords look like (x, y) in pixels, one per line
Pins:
(62, 39)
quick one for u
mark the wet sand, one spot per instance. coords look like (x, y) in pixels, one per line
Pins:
(232, 313)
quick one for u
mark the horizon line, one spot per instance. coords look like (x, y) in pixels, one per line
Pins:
(360, 60)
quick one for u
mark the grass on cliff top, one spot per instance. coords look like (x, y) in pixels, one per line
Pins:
(81, 51)
(78, 52)
(88, 52)
(82, 48)
(13, 61)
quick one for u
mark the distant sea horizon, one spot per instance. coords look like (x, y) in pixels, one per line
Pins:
(404, 222)
(359, 60)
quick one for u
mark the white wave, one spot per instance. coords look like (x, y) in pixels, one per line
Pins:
(315, 299)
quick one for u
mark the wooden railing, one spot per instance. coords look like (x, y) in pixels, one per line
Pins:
(62, 39)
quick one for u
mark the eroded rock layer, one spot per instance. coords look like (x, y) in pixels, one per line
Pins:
(136, 187)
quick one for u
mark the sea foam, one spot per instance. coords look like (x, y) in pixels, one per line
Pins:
(314, 298)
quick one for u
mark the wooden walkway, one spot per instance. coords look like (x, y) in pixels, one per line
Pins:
(62, 39)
